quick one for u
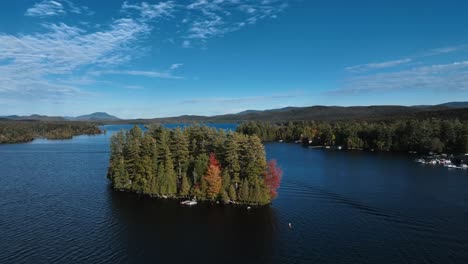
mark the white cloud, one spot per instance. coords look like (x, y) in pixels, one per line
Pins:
(134, 87)
(55, 8)
(451, 77)
(217, 17)
(151, 11)
(186, 44)
(56, 62)
(444, 50)
(46, 8)
(241, 100)
(150, 74)
(377, 65)
(175, 66)
(394, 63)
(34, 61)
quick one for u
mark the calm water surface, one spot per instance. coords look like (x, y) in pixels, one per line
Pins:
(345, 207)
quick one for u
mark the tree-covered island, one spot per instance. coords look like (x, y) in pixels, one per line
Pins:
(25, 131)
(197, 161)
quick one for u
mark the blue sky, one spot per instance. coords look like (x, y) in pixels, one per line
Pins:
(206, 57)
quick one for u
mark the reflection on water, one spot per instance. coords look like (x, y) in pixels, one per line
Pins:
(163, 230)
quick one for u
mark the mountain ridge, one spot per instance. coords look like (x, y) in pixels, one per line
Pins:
(290, 113)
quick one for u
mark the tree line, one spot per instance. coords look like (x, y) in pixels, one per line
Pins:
(196, 161)
(436, 135)
(25, 131)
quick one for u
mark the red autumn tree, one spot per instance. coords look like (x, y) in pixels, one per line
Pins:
(213, 177)
(272, 178)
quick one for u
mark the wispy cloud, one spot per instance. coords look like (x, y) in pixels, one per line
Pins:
(175, 66)
(34, 61)
(373, 66)
(55, 8)
(151, 11)
(239, 100)
(46, 8)
(134, 87)
(150, 74)
(186, 44)
(208, 19)
(443, 50)
(53, 62)
(199, 20)
(377, 65)
(451, 77)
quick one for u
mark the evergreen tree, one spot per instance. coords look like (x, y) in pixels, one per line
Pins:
(232, 164)
(184, 187)
(232, 192)
(244, 191)
(200, 167)
(180, 152)
(226, 181)
(168, 178)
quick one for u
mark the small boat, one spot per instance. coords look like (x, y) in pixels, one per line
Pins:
(189, 202)
(280, 141)
(420, 160)
(450, 166)
(462, 166)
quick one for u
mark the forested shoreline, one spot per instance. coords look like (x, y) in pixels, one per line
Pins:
(197, 161)
(436, 135)
(25, 131)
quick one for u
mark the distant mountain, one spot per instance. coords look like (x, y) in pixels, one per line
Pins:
(449, 105)
(328, 113)
(263, 111)
(320, 113)
(246, 112)
(455, 105)
(98, 116)
(34, 118)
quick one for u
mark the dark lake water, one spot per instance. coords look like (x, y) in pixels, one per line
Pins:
(345, 207)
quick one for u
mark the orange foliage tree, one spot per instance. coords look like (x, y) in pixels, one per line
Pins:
(272, 178)
(213, 177)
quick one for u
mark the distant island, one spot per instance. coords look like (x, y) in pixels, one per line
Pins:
(197, 162)
(25, 131)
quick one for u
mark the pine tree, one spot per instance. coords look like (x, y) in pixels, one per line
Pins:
(231, 159)
(244, 191)
(180, 152)
(132, 158)
(169, 183)
(200, 167)
(226, 181)
(184, 187)
(232, 192)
